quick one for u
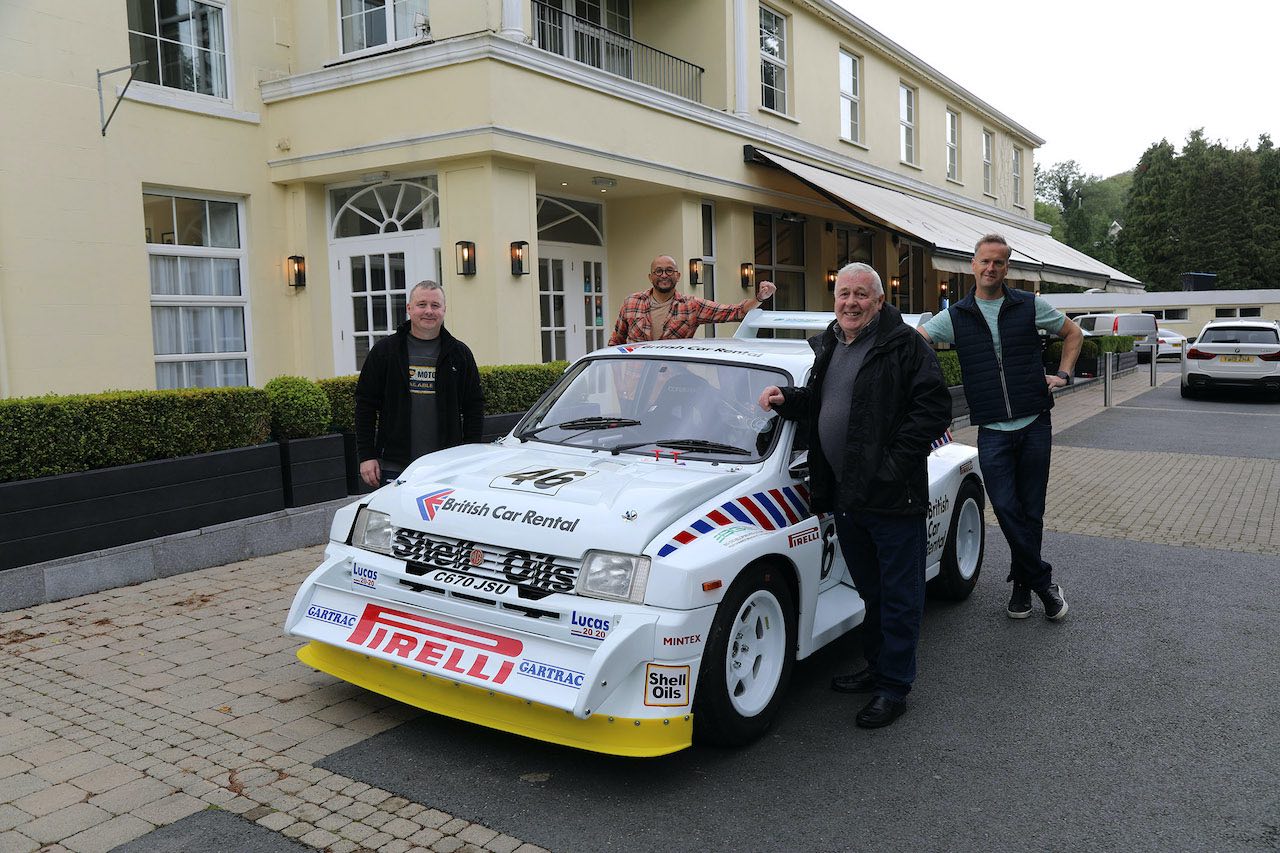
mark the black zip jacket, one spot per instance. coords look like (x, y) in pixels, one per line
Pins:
(900, 407)
(382, 397)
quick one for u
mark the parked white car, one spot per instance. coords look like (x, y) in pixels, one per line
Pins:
(636, 565)
(1233, 354)
(1171, 343)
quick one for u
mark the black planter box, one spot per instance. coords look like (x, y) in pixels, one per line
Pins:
(313, 469)
(959, 403)
(52, 517)
(495, 427)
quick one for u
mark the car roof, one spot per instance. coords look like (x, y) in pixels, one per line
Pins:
(1254, 322)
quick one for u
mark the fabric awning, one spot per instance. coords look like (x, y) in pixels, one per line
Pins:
(951, 233)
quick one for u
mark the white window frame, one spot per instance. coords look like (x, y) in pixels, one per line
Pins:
(391, 41)
(1017, 177)
(158, 93)
(907, 107)
(953, 145)
(778, 62)
(178, 300)
(851, 98)
(988, 156)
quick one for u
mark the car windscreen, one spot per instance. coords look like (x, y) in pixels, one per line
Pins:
(1239, 335)
(700, 410)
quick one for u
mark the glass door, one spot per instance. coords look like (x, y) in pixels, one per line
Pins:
(572, 306)
(371, 280)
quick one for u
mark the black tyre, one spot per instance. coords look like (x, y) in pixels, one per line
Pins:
(1188, 393)
(748, 659)
(966, 542)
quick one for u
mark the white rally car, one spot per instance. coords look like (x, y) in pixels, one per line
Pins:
(634, 567)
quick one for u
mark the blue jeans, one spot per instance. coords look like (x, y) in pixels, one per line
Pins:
(885, 555)
(1015, 470)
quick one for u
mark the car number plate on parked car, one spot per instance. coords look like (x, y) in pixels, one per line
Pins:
(1240, 359)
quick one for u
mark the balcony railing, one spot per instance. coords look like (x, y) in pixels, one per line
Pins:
(578, 39)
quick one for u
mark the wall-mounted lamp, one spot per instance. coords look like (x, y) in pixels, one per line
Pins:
(895, 282)
(297, 269)
(748, 272)
(466, 257)
(695, 271)
(519, 254)
(831, 280)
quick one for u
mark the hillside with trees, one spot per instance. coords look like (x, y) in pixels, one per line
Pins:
(1206, 208)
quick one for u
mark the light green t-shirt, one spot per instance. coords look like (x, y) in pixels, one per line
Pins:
(1048, 318)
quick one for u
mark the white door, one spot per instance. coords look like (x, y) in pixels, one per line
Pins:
(371, 276)
(573, 311)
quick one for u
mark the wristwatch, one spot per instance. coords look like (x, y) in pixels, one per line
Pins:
(1065, 377)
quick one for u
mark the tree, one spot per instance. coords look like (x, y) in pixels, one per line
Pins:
(1081, 208)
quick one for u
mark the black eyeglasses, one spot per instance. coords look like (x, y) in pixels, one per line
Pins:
(664, 271)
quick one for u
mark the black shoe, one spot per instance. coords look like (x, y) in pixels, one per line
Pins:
(880, 712)
(1055, 606)
(1019, 602)
(859, 682)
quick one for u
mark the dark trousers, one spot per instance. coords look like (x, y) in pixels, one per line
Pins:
(885, 555)
(1015, 470)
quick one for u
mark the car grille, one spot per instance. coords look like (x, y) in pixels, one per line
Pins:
(533, 575)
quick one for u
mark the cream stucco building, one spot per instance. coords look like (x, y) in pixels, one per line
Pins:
(369, 143)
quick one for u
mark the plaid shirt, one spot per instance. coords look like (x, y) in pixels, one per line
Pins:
(687, 313)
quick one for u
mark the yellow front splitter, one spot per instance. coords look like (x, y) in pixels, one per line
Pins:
(628, 736)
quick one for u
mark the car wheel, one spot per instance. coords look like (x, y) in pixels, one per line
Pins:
(747, 661)
(1188, 393)
(966, 541)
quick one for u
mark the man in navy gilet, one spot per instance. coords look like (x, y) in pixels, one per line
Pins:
(994, 330)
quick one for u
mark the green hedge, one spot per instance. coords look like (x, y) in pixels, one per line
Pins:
(1091, 347)
(299, 408)
(507, 388)
(950, 363)
(55, 434)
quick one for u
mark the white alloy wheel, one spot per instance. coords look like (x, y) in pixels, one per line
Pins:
(756, 653)
(969, 539)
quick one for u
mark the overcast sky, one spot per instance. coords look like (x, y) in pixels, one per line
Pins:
(1101, 80)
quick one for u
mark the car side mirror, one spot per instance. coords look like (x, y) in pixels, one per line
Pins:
(799, 468)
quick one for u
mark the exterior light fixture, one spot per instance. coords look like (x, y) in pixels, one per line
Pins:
(831, 280)
(297, 269)
(695, 271)
(748, 272)
(895, 282)
(519, 255)
(466, 257)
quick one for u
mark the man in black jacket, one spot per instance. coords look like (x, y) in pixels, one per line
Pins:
(419, 391)
(874, 404)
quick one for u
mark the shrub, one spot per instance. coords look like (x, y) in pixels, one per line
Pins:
(950, 364)
(299, 409)
(59, 434)
(1115, 343)
(516, 387)
(341, 391)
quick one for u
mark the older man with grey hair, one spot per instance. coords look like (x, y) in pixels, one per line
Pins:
(874, 404)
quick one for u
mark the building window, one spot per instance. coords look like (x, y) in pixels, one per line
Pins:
(709, 257)
(1175, 313)
(773, 60)
(850, 97)
(907, 123)
(199, 310)
(988, 150)
(953, 145)
(183, 43)
(1017, 177)
(1224, 312)
(780, 258)
(366, 24)
(1255, 311)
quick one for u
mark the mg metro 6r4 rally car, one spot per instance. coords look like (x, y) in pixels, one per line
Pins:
(634, 566)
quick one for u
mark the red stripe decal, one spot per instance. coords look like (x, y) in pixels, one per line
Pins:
(684, 537)
(802, 491)
(756, 513)
(719, 518)
(786, 507)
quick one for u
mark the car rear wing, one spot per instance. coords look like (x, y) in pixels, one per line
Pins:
(758, 320)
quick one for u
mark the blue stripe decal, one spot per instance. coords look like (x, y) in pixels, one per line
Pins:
(665, 550)
(795, 501)
(736, 511)
(767, 502)
(701, 526)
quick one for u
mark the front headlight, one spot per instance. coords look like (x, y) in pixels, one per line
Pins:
(618, 576)
(372, 531)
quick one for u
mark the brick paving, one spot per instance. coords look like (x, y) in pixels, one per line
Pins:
(134, 708)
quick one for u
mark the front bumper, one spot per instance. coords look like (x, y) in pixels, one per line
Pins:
(545, 677)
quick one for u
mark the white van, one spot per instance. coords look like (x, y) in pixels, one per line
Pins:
(1141, 327)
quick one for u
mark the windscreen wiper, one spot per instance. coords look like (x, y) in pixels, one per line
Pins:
(582, 424)
(692, 444)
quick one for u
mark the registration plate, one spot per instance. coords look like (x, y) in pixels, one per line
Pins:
(1238, 359)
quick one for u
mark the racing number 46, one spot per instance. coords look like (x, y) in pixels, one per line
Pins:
(545, 478)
